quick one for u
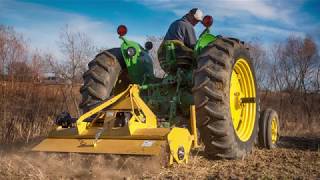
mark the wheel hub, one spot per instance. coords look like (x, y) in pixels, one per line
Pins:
(274, 131)
(242, 99)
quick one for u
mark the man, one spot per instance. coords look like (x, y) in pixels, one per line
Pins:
(183, 29)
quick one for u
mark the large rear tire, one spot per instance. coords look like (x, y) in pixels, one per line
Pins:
(226, 99)
(99, 80)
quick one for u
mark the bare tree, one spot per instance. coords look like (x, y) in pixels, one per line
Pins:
(13, 49)
(78, 50)
(260, 63)
(295, 75)
(296, 63)
(316, 82)
(37, 65)
(279, 71)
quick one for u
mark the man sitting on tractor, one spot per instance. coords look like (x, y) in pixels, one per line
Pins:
(176, 49)
(183, 29)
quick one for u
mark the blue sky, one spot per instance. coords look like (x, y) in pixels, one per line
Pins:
(41, 21)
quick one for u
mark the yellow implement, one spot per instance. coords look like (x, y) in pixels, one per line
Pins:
(100, 131)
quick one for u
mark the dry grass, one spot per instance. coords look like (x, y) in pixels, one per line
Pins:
(299, 115)
(23, 165)
(262, 164)
(296, 159)
(28, 110)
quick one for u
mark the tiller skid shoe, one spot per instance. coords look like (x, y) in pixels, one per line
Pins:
(123, 124)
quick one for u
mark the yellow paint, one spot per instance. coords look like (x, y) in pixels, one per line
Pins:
(242, 86)
(193, 122)
(274, 130)
(146, 119)
(104, 146)
(82, 126)
(145, 133)
(140, 136)
(179, 137)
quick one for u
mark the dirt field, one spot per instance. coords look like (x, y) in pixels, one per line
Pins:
(297, 158)
(27, 107)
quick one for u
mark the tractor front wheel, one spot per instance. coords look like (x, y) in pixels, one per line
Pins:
(269, 131)
(226, 99)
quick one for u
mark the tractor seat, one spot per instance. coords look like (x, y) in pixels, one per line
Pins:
(179, 55)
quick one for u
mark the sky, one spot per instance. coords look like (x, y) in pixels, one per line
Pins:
(41, 21)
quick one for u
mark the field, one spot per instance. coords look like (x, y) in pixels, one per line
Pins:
(44, 62)
(287, 162)
(32, 108)
(297, 158)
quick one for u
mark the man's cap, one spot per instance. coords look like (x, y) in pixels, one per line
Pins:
(197, 13)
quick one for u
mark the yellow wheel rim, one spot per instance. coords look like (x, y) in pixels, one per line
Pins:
(274, 130)
(242, 87)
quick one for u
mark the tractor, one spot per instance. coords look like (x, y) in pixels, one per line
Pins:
(207, 94)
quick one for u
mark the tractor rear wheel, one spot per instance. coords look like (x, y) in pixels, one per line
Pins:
(269, 129)
(226, 99)
(99, 80)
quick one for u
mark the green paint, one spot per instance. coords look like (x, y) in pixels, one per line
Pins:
(170, 55)
(203, 41)
(140, 70)
(130, 61)
(169, 97)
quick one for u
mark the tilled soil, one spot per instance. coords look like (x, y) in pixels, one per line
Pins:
(271, 164)
(296, 158)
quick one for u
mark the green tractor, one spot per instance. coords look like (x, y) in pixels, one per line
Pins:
(210, 89)
(216, 76)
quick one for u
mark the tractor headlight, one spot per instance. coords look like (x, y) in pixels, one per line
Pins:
(131, 51)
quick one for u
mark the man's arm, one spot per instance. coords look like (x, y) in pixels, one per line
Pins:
(175, 32)
(190, 38)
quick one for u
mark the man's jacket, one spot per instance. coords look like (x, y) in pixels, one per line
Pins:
(182, 30)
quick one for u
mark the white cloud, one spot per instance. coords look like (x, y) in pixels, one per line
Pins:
(270, 20)
(227, 8)
(42, 26)
(274, 30)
